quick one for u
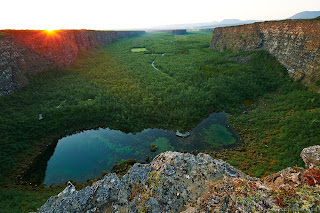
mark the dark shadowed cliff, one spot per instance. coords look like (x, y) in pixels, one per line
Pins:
(296, 44)
(24, 52)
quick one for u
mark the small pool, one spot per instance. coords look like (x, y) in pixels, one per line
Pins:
(139, 49)
(87, 154)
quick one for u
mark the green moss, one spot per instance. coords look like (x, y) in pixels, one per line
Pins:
(122, 167)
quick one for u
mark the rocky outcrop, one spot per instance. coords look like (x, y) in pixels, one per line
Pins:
(296, 44)
(170, 181)
(311, 156)
(24, 52)
(177, 182)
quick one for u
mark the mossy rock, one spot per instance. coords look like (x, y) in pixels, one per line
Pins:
(123, 166)
(153, 148)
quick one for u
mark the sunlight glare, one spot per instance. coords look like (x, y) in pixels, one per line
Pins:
(50, 32)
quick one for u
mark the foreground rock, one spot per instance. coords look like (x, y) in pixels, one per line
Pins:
(177, 182)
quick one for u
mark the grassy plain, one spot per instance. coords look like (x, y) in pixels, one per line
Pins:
(117, 88)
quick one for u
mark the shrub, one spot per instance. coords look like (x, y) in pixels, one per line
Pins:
(312, 177)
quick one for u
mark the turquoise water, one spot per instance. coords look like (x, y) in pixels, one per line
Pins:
(87, 154)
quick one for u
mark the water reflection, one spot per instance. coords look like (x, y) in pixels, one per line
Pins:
(86, 155)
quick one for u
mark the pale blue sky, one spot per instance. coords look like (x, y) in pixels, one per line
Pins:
(128, 14)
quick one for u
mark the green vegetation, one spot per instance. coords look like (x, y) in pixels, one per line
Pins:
(117, 88)
(275, 131)
(122, 167)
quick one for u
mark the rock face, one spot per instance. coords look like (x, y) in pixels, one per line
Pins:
(177, 182)
(295, 44)
(170, 181)
(24, 52)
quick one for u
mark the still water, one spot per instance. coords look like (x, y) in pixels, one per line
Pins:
(87, 154)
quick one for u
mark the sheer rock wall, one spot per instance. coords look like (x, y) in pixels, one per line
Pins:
(24, 52)
(295, 44)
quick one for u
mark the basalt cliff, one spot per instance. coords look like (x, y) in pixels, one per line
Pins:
(177, 182)
(25, 52)
(294, 43)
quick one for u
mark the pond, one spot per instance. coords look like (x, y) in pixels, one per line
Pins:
(87, 154)
(138, 49)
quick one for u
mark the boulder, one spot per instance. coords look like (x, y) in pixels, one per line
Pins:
(182, 182)
(170, 181)
(311, 156)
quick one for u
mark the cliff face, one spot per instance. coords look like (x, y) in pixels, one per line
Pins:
(295, 44)
(177, 182)
(25, 52)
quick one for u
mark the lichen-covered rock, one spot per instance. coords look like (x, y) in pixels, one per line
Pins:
(311, 156)
(290, 175)
(182, 182)
(236, 195)
(295, 44)
(170, 181)
(89, 199)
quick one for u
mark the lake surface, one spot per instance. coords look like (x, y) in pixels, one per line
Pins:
(87, 154)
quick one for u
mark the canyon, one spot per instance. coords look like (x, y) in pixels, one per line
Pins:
(294, 43)
(26, 52)
(173, 181)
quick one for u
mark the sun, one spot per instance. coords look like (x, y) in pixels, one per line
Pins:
(50, 30)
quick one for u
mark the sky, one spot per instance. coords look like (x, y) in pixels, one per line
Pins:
(132, 14)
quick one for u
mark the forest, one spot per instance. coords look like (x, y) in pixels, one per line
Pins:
(115, 87)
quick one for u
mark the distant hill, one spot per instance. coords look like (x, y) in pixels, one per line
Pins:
(230, 21)
(227, 22)
(306, 15)
(223, 23)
